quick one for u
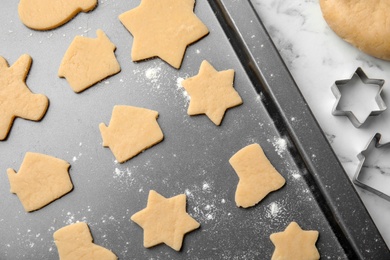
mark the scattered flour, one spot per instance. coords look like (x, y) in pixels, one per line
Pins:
(75, 158)
(280, 145)
(153, 74)
(180, 87)
(274, 210)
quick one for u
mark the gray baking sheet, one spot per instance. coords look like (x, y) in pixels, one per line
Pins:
(192, 159)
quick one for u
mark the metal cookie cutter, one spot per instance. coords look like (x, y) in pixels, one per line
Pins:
(362, 157)
(378, 99)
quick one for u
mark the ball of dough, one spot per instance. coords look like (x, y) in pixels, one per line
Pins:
(363, 23)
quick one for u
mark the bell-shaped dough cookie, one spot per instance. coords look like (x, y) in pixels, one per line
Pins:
(75, 242)
(49, 14)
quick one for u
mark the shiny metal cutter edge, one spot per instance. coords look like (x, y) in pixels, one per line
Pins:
(376, 138)
(336, 92)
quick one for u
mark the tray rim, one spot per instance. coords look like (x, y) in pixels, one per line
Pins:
(343, 218)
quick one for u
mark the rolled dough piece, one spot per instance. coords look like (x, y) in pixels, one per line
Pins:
(49, 14)
(41, 179)
(16, 100)
(74, 242)
(257, 176)
(131, 131)
(165, 220)
(164, 29)
(362, 23)
(211, 92)
(295, 244)
(88, 61)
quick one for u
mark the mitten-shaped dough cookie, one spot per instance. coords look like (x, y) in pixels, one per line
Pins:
(49, 14)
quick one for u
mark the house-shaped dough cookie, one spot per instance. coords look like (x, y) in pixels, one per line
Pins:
(41, 179)
(88, 61)
(131, 130)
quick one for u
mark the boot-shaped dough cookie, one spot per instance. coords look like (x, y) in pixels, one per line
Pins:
(49, 14)
(257, 176)
(75, 242)
(88, 61)
(16, 100)
(41, 179)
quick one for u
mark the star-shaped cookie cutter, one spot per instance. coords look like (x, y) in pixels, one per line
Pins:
(361, 156)
(367, 81)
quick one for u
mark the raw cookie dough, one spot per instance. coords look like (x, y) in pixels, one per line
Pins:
(131, 130)
(41, 179)
(165, 220)
(211, 92)
(362, 23)
(88, 61)
(16, 100)
(257, 176)
(49, 14)
(164, 29)
(295, 244)
(74, 242)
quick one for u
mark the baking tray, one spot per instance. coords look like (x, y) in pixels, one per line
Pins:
(192, 159)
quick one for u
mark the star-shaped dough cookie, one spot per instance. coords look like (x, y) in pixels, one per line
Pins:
(211, 92)
(257, 176)
(131, 130)
(75, 242)
(295, 244)
(16, 100)
(163, 29)
(165, 220)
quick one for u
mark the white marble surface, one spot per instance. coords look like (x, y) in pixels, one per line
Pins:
(316, 58)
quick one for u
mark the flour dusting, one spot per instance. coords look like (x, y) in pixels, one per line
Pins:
(179, 80)
(279, 144)
(153, 74)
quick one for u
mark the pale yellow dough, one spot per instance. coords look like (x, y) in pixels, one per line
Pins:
(131, 130)
(211, 92)
(16, 100)
(163, 29)
(49, 14)
(165, 220)
(41, 179)
(295, 244)
(363, 23)
(74, 242)
(88, 61)
(257, 176)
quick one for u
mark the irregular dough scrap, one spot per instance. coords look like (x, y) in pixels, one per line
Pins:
(41, 179)
(165, 220)
(164, 29)
(131, 130)
(16, 100)
(49, 14)
(75, 242)
(88, 61)
(257, 176)
(295, 244)
(362, 23)
(211, 92)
